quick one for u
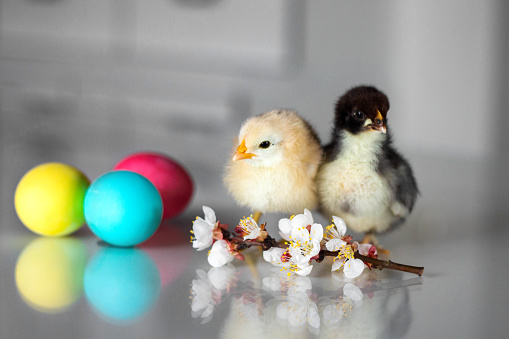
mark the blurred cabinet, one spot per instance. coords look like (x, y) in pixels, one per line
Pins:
(223, 37)
(86, 82)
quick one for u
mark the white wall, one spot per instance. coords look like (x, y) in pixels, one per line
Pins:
(86, 82)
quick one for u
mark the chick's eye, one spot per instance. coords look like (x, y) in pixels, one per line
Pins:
(265, 144)
(359, 115)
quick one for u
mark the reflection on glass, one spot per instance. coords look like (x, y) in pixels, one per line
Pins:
(122, 284)
(375, 315)
(169, 241)
(297, 309)
(49, 273)
(287, 305)
(207, 290)
(341, 306)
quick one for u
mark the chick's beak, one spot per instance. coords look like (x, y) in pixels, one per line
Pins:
(241, 154)
(378, 124)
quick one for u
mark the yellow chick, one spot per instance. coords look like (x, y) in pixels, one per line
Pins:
(275, 161)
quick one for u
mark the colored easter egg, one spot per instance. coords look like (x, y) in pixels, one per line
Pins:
(123, 208)
(171, 179)
(49, 199)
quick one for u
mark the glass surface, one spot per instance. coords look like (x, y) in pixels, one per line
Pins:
(79, 287)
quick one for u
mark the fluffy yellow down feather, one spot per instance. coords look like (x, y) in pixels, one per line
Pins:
(274, 164)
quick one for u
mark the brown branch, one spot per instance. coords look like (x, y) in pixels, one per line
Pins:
(377, 263)
(270, 242)
(381, 264)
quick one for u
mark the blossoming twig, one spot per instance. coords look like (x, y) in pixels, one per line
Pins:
(377, 263)
(305, 242)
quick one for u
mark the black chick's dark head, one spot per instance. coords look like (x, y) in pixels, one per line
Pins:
(362, 108)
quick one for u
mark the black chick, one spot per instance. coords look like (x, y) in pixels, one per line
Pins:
(363, 179)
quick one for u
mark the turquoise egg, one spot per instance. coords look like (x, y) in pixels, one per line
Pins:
(123, 208)
(122, 284)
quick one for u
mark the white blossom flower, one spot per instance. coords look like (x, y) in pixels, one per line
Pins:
(353, 268)
(305, 245)
(220, 254)
(281, 257)
(300, 220)
(249, 229)
(203, 229)
(274, 255)
(366, 249)
(335, 241)
(304, 237)
(335, 233)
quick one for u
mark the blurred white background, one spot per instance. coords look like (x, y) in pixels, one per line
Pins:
(88, 82)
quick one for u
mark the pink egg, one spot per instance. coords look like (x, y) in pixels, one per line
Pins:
(171, 180)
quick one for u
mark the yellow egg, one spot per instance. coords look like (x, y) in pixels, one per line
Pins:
(49, 199)
(49, 273)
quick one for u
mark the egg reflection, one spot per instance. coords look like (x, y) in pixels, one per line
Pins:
(49, 273)
(122, 284)
(169, 241)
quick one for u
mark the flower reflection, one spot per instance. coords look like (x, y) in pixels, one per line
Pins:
(288, 305)
(203, 297)
(222, 278)
(299, 311)
(295, 305)
(206, 290)
(49, 273)
(337, 308)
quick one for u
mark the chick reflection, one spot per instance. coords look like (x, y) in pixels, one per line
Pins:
(122, 284)
(49, 273)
